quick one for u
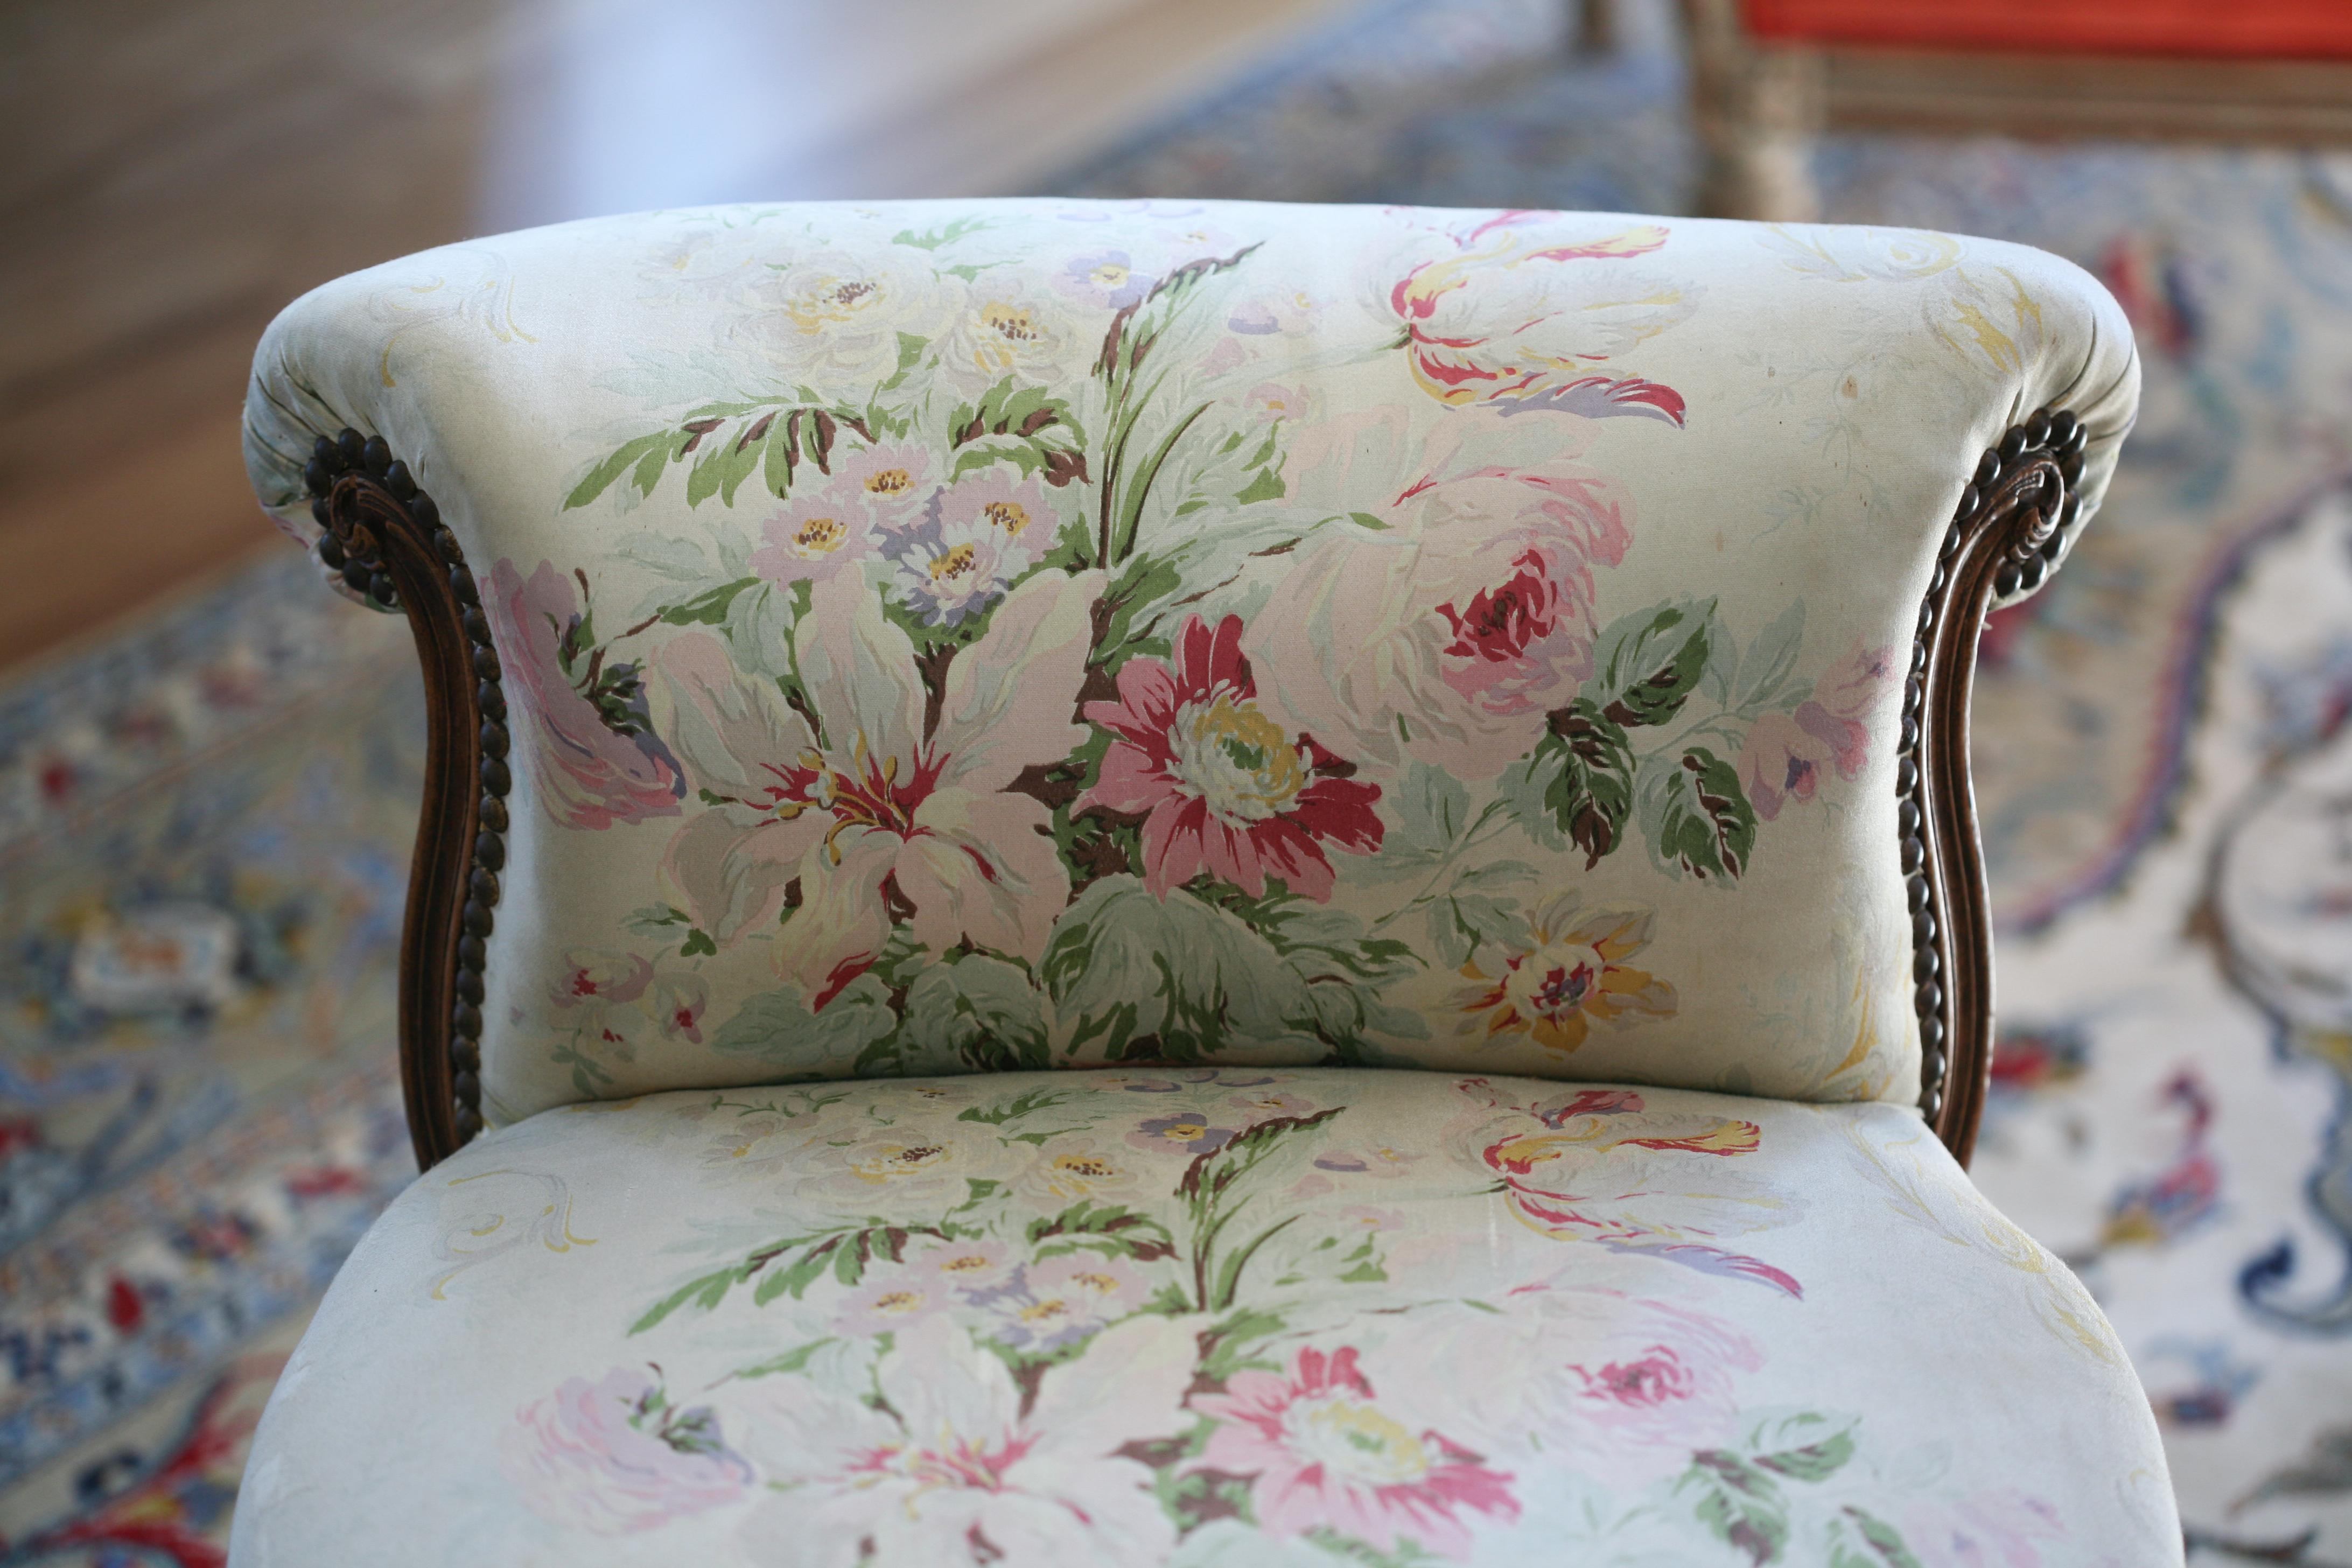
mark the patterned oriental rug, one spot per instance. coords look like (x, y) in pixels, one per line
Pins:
(203, 830)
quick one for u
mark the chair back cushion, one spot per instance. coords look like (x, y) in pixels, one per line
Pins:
(989, 635)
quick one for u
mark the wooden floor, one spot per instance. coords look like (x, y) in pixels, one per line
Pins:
(179, 168)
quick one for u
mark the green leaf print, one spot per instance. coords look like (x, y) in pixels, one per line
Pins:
(628, 455)
(1741, 1505)
(932, 238)
(1109, 1229)
(1022, 424)
(1808, 1448)
(1764, 671)
(1694, 814)
(1460, 922)
(1432, 819)
(1649, 663)
(779, 1024)
(1857, 1538)
(1028, 1102)
(1406, 1552)
(1131, 461)
(1215, 1190)
(729, 442)
(794, 1359)
(1576, 787)
(981, 1011)
(1171, 980)
(789, 1266)
(709, 608)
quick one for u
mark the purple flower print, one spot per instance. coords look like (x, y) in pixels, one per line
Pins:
(931, 1276)
(1377, 1160)
(1186, 1133)
(979, 535)
(1106, 278)
(1263, 1104)
(616, 1456)
(1061, 1301)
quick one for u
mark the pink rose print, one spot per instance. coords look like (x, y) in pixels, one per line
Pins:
(1623, 1389)
(1645, 1384)
(592, 979)
(1448, 636)
(594, 993)
(616, 1458)
(594, 757)
(1222, 788)
(679, 1003)
(1507, 317)
(621, 1001)
(1785, 752)
(1327, 1453)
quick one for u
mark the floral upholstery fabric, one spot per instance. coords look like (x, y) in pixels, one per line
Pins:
(1016, 635)
(1205, 1317)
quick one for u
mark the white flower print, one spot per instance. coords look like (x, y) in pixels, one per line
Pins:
(950, 1469)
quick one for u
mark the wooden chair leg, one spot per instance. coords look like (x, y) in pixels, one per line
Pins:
(1756, 112)
(1595, 27)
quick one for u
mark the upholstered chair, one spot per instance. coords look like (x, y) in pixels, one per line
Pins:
(1199, 884)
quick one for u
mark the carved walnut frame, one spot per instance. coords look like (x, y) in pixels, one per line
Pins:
(384, 538)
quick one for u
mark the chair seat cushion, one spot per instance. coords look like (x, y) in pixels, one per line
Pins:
(1205, 1317)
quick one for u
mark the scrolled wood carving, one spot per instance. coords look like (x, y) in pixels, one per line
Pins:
(384, 538)
(2012, 522)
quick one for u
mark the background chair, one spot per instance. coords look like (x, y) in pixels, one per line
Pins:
(1767, 77)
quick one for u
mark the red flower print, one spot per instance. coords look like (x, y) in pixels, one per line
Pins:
(1221, 786)
(1328, 1454)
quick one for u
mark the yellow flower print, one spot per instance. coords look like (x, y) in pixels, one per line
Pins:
(1571, 974)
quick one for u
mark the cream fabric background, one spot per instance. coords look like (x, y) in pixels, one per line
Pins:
(1835, 386)
(1573, 1362)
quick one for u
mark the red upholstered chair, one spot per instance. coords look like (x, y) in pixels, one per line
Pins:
(1768, 75)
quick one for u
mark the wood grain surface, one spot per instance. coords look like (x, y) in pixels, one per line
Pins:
(178, 172)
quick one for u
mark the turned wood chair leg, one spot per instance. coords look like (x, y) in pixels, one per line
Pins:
(1595, 27)
(1756, 112)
